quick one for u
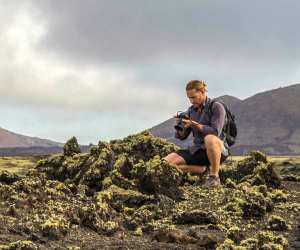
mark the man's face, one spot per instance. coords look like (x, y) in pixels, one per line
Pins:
(196, 97)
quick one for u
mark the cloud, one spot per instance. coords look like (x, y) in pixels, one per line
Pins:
(238, 47)
(130, 59)
(143, 31)
(95, 45)
(36, 77)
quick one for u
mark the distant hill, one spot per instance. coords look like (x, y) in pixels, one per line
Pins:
(12, 144)
(268, 121)
(36, 150)
(230, 101)
(9, 139)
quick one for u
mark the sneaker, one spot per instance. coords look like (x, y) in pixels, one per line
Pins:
(212, 181)
(202, 177)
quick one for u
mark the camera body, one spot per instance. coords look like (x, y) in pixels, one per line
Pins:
(180, 125)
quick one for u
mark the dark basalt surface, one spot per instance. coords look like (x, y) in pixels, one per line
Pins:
(124, 195)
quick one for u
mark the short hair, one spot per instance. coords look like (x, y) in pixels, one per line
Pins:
(196, 84)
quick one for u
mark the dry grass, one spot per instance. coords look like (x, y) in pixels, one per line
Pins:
(276, 159)
(272, 158)
(283, 164)
(18, 164)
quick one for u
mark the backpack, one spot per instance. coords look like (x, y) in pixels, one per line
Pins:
(229, 130)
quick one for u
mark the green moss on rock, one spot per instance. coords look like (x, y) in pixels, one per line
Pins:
(254, 204)
(55, 227)
(277, 195)
(20, 245)
(277, 223)
(254, 169)
(118, 197)
(8, 178)
(235, 233)
(71, 147)
(86, 169)
(142, 146)
(142, 216)
(156, 176)
(195, 217)
(262, 240)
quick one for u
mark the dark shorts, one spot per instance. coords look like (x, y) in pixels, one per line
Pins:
(198, 158)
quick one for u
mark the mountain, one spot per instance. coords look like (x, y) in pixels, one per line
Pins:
(9, 139)
(230, 101)
(12, 144)
(268, 121)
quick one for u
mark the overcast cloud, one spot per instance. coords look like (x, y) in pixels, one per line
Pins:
(104, 69)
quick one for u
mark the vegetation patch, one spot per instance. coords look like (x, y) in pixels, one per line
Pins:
(124, 191)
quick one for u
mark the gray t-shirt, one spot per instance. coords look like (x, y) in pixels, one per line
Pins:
(211, 126)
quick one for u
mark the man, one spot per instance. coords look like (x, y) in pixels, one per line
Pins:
(209, 147)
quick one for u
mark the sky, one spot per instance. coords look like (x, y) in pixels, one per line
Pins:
(101, 70)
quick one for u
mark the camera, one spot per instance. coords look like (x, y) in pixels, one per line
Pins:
(180, 125)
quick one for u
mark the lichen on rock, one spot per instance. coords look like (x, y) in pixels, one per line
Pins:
(8, 178)
(156, 176)
(262, 240)
(20, 245)
(124, 191)
(71, 147)
(277, 223)
(255, 169)
(55, 227)
(195, 217)
(143, 146)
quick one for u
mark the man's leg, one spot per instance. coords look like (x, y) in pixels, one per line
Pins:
(174, 159)
(193, 169)
(214, 150)
(179, 162)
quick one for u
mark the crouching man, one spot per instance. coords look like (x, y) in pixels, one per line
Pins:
(205, 119)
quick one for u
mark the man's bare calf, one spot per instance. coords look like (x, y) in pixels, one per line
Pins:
(214, 150)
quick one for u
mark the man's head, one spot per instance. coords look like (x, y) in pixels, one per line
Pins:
(196, 92)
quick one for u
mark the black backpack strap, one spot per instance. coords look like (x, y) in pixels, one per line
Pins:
(228, 113)
(210, 106)
(229, 131)
(210, 113)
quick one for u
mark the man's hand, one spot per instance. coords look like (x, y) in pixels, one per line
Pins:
(178, 119)
(187, 123)
(191, 123)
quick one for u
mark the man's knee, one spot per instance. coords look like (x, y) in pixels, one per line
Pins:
(212, 142)
(174, 158)
(170, 157)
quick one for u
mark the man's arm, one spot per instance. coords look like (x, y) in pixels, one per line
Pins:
(217, 121)
(183, 134)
